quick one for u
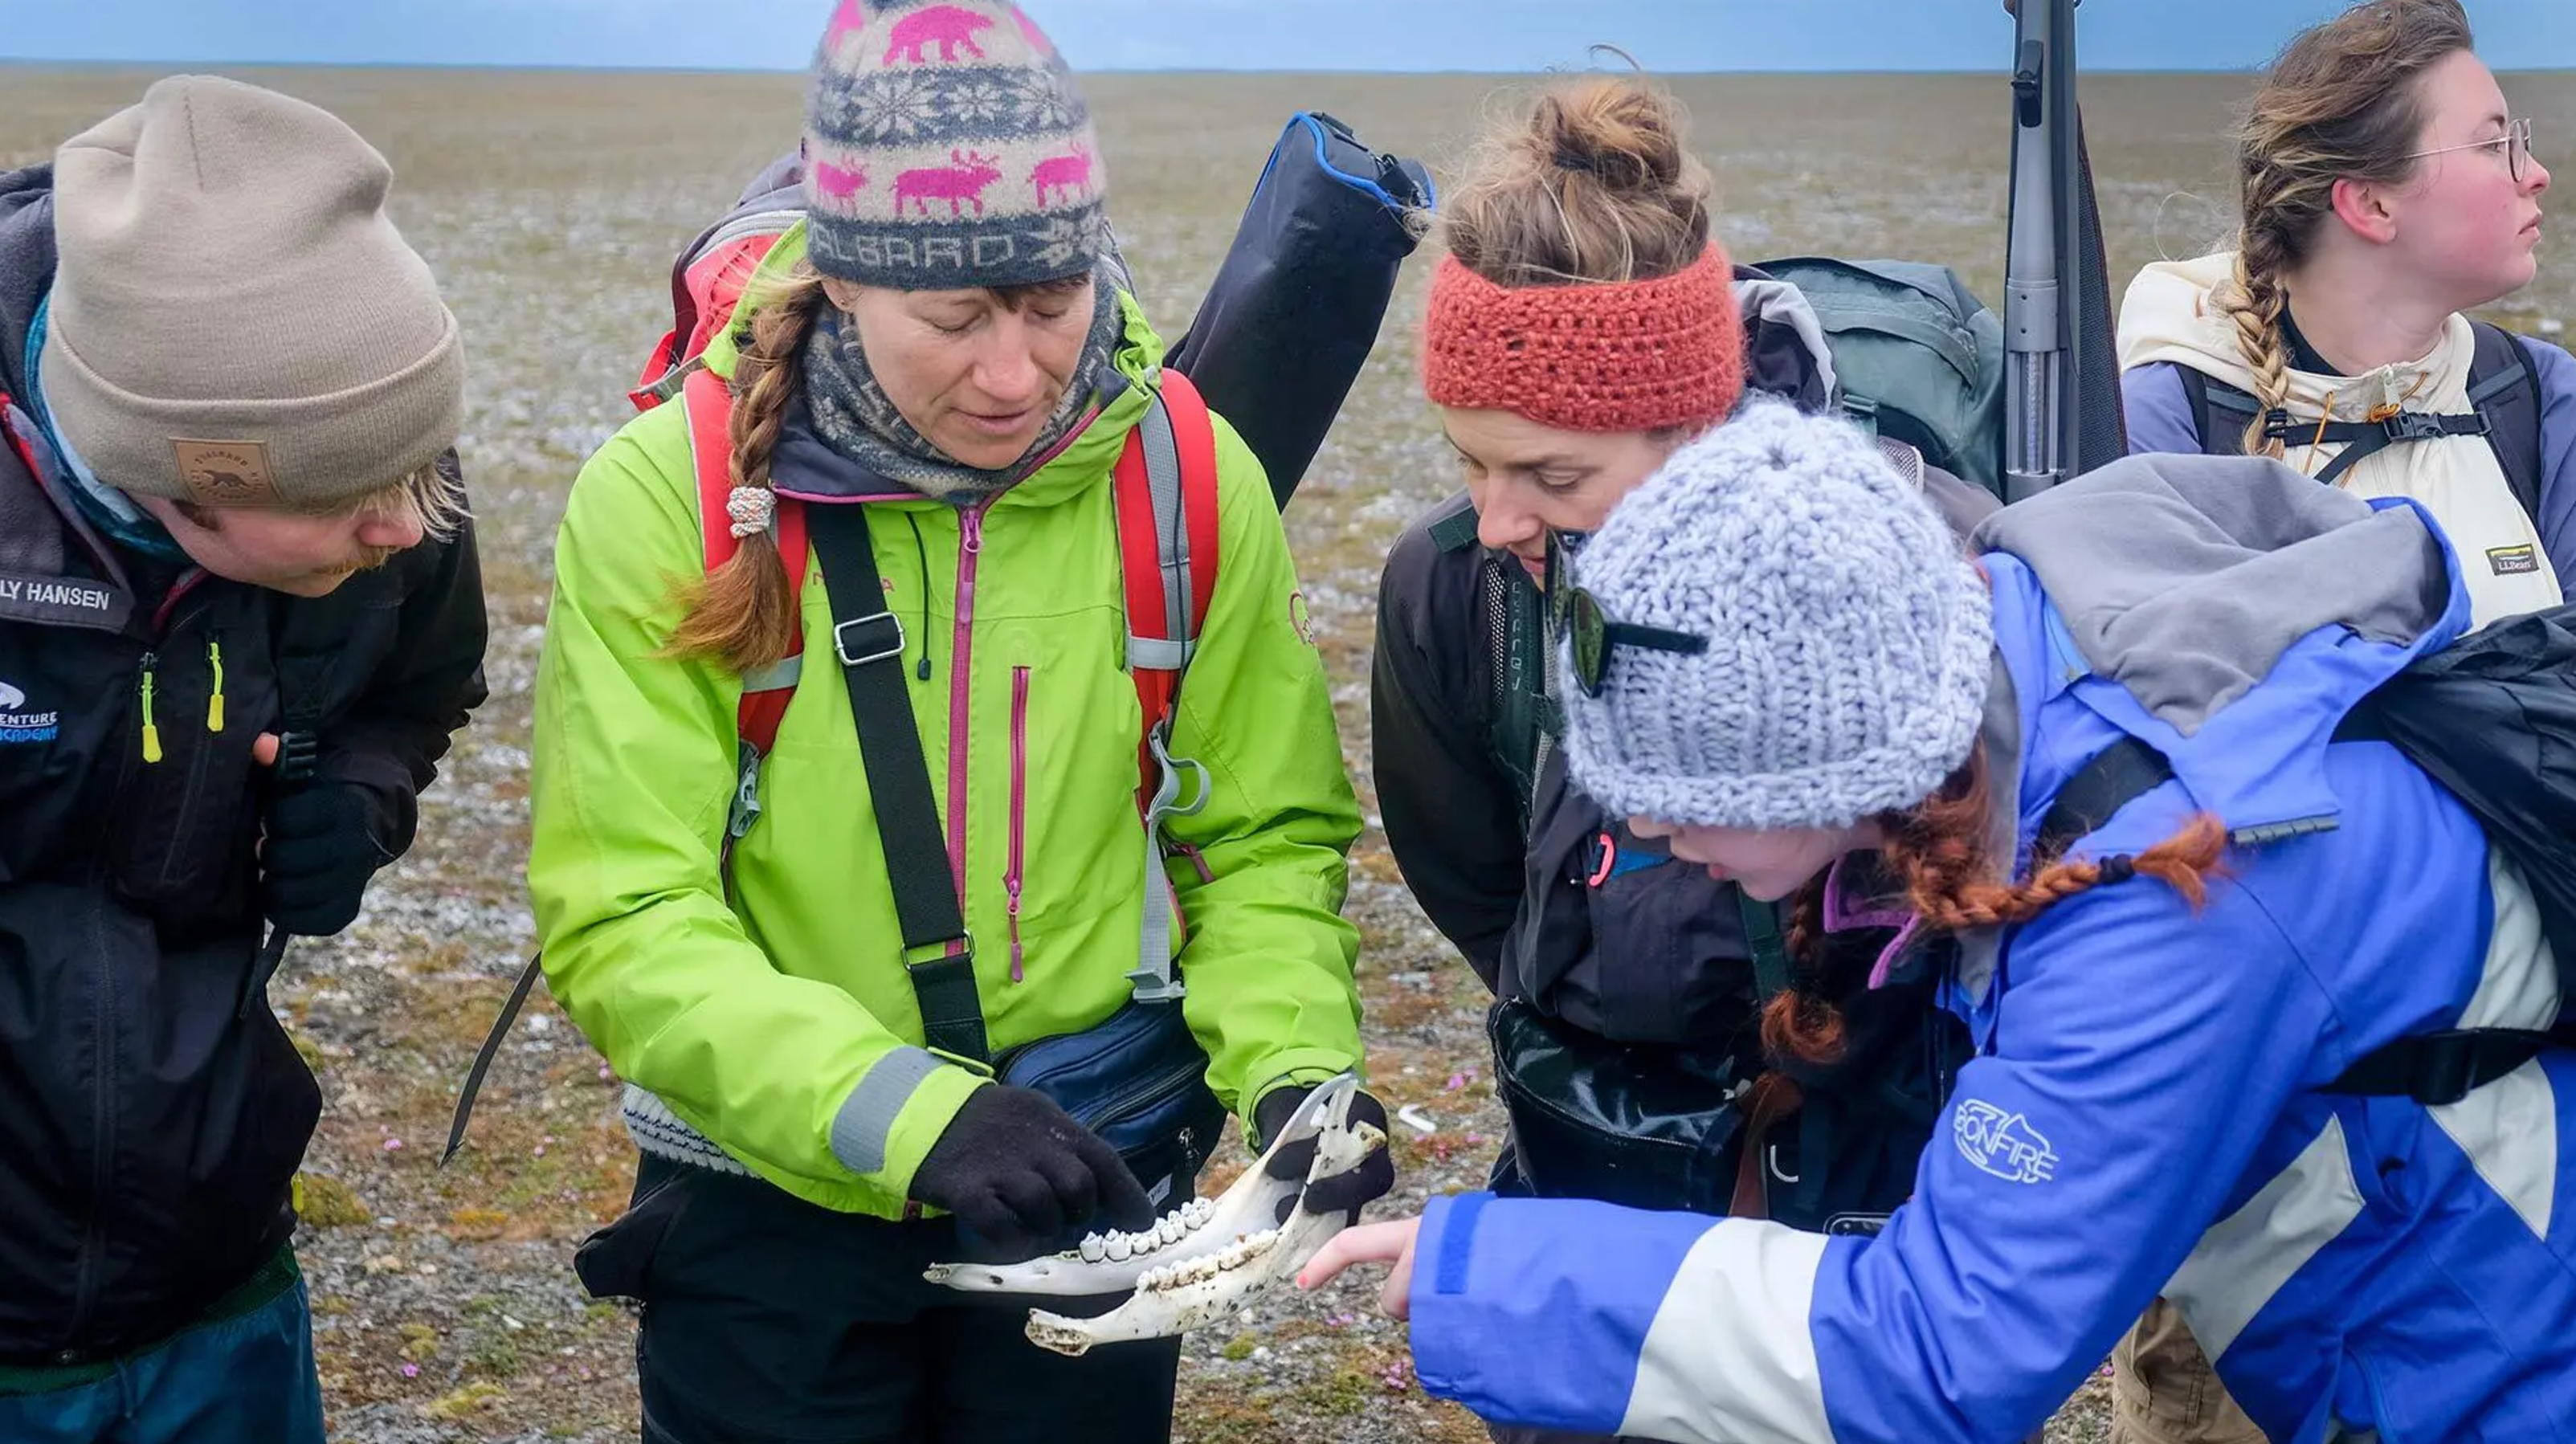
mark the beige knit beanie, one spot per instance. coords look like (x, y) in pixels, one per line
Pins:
(235, 321)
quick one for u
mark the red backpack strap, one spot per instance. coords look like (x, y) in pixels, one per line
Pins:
(1165, 491)
(766, 691)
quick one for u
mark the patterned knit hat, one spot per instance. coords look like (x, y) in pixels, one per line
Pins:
(947, 148)
(1848, 636)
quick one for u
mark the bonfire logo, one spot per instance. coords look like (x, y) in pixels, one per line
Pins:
(20, 728)
(226, 473)
(2003, 1144)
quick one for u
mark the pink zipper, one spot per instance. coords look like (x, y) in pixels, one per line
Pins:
(187, 583)
(1019, 805)
(970, 548)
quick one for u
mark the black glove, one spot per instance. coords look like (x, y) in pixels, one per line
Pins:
(1018, 1172)
(315, 857)
(1372, 1179)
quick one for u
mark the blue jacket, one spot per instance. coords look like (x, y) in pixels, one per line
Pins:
(2144, 1116)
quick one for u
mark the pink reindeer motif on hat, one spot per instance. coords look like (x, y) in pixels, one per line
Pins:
(965, 180)
(837, 182)
(1064, 174)
(950, 27)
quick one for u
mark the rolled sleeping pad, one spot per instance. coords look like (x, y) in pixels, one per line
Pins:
(1295, 309)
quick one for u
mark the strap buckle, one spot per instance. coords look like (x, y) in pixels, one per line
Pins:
(868, 646)
(746, 796)
(931, 953)
(2426, 426)
(298, 753)
(2446, 1067)
(1167, 782)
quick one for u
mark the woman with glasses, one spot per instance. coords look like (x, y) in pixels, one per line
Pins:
(1582, 327)
(2178, 980)
(2386, 191)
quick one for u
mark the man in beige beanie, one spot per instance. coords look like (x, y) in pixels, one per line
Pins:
(240, 616)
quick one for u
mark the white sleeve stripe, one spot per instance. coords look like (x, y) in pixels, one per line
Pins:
(1730, 1358)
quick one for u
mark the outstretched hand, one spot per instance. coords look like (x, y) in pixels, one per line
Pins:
(1370, 1243)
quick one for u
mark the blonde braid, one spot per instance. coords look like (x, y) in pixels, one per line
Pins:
(2255, 303)
(744, 614)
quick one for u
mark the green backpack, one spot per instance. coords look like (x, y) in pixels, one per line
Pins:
(1918, 356)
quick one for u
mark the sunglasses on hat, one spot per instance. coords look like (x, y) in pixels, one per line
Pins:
(1595, 634)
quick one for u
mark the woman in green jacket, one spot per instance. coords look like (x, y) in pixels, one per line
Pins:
(942, 349)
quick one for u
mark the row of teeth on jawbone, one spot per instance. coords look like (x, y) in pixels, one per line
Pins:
(1207, 1266)
(1171, 1228)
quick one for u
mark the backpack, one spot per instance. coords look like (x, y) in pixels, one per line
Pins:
(1917, 356)
(2504, 402)
(2492, 718)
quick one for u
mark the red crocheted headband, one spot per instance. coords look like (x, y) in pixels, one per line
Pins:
(1607, 357)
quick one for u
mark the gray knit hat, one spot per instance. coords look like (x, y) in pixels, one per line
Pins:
(234, 320)
(1849, 636)
(946, 148)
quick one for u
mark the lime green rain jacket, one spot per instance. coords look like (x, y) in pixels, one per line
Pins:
(784, 1027)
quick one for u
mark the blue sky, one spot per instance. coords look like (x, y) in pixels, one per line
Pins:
(1512, 35)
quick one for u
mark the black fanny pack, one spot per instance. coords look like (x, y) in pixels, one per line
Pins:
(1641, 1126)
(1139, 1080)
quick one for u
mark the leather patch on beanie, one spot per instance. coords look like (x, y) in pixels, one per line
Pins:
(227, 473)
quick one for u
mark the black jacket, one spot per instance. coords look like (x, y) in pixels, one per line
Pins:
(1587, 922)
(148, 1129)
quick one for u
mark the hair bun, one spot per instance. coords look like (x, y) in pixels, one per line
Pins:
(1625, 135)
(1596, 185)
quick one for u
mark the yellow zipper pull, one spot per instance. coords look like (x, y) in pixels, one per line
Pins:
(215, 699)
(151, 734)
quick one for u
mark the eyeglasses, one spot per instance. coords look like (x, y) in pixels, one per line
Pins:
(2516, 141)
(1594, 634)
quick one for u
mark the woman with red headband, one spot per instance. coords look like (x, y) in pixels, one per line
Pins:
(1582, 328)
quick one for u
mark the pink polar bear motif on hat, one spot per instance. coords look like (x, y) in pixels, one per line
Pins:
(950, 27)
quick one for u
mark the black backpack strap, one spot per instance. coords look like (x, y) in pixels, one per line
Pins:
(2504, 407)
(2439, 1068)
(303, 657)
(868, 639)
(2122, 772)
(1765, 946)
(2504, 386)
(2363, 439)
(2218, 413)
(2431, 1068)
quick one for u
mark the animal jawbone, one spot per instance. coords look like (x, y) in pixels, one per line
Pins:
(1199, 1262)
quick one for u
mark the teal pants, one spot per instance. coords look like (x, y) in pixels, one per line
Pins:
(242, 1380)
